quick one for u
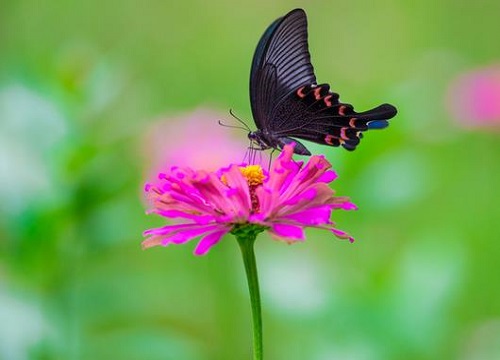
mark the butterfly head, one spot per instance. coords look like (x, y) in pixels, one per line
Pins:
(258, 138)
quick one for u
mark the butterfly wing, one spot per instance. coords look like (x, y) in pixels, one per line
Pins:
(281, 64)
(314, 113)
(286, 101)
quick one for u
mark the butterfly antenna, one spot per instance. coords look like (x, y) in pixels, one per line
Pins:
(231, 126)
(239, 120)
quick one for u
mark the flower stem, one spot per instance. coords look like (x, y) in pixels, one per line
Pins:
(246, 245)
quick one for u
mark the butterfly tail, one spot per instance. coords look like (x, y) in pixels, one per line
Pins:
(376, 118)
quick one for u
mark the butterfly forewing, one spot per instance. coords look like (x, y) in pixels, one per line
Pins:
(280, 66)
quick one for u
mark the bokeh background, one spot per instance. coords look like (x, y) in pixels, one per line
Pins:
(96, 96)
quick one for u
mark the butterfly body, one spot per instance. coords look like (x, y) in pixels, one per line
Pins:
(266, 140)
(288, 104)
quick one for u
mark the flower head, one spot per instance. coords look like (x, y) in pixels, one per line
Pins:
(284, 201)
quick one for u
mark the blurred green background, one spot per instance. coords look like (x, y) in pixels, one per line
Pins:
(82, 84)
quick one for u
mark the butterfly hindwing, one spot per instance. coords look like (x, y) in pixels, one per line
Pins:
(314, 113)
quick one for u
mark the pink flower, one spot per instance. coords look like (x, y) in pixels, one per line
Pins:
(211, 204)
(474, 98)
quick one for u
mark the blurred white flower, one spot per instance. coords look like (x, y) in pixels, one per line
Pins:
(22, 326)
(30, 125)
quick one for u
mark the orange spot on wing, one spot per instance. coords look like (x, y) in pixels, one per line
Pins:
(342, 134)
(328, 139)
(352, 122)
(342, 110)
(317, 93)
(300, 92)
(327, 101)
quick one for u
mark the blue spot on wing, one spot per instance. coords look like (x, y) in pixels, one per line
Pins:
(377, 124)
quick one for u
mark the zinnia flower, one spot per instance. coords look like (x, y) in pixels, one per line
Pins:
(284, 201)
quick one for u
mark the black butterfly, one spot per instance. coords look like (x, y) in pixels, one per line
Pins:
(287, 102)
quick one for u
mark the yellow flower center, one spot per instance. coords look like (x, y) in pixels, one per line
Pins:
(255, 177)
(253, 174)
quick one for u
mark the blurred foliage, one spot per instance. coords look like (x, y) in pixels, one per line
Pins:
(80, 84)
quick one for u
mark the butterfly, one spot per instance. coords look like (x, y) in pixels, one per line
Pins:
(287, 103)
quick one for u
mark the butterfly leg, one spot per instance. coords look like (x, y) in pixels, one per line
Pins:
(270, 160)
(251, 154)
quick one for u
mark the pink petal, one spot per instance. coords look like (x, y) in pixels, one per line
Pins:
(288, 231)
(267, 200)
(289, 178)
(323, 195)
(172, 214)
(167, 229)
(345, 206)
(308, 176)
(176, 234)
(257, 218)
(208, 241)
(307, 195)
(283, 170)
(186, 235)
(342, 235)
(238, 190)
(212, 190)
(328, 176)
(312, 217)
(154, 240)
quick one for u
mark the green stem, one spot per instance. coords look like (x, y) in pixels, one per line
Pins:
(246, 243)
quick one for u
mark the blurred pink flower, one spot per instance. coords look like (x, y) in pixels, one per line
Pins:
(211, 204)
(474, 97)
(194, 139)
